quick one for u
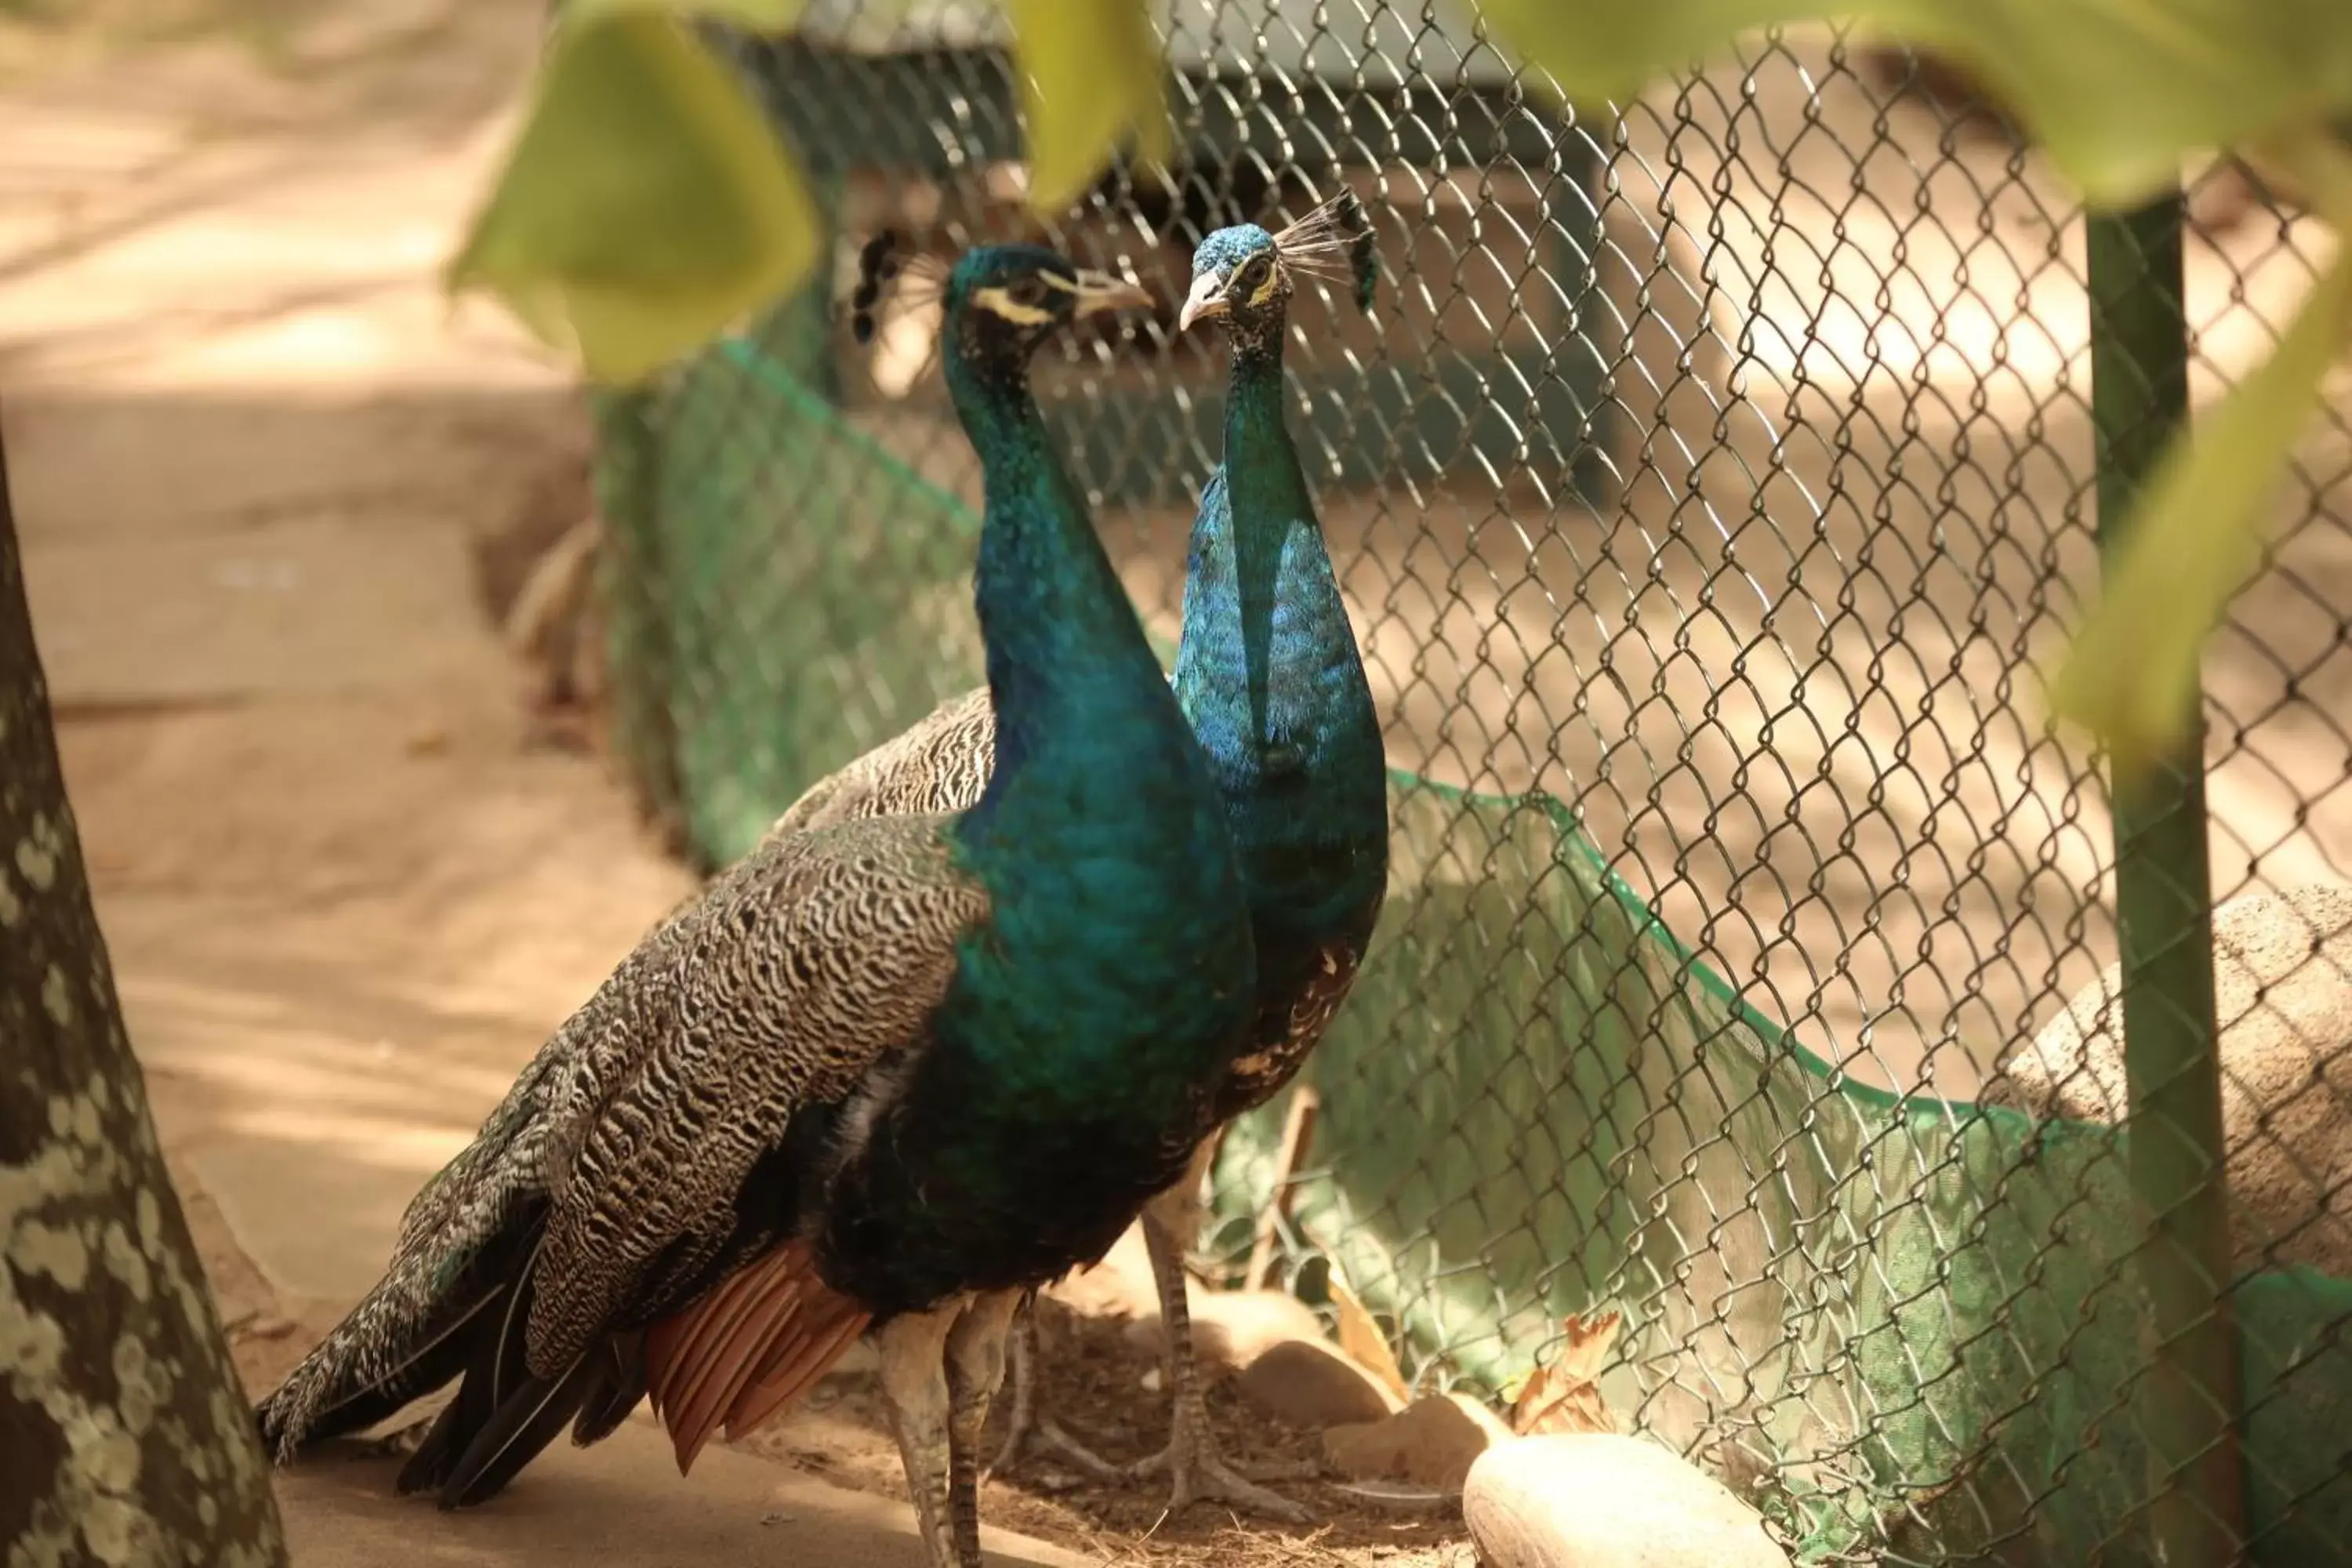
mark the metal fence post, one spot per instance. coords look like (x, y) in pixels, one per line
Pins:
(2189, 1399)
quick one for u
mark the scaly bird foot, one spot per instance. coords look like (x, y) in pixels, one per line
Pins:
(1202, 1475)
(1049, 1439)
(1191, 1456)
(1023, 1432)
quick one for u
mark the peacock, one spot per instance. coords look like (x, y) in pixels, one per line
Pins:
(1270, 677)
(884, 1077)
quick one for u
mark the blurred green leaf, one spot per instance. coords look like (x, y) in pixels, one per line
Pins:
(1091, 76)
(2132, 673)
(646, 205)
(2118, 90)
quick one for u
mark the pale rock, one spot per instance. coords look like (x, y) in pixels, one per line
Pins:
(2283, 998)
(1121, 1286)
(1312, 1385)
(1595, 1499)
(1433, 1442)
(1231, 1328)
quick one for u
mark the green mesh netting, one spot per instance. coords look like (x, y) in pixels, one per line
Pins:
(1914, 1317)
(1908, 1325)
(851, 553)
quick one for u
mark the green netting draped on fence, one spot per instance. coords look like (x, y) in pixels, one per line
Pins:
(1537, 1104)
(874, 557)
(1906, 1323)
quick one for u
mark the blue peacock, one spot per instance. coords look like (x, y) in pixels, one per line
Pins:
(884, 1077)
(1269, 676)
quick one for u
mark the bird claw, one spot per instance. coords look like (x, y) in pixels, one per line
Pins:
(1052, 1439)
(1046, 1436)
(1201, 1475)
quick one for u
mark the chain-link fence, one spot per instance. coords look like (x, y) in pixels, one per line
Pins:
(1707, 487)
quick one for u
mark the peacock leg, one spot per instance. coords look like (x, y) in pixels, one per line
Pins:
(1190, 1455)
(1021, 1346)
(975, 1364)
(1024, 1427)
(915, 1385)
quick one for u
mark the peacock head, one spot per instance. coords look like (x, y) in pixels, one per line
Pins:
(1000, 301)
(1245, 275)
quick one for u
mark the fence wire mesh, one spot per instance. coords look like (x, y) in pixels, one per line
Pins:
(1709, 486)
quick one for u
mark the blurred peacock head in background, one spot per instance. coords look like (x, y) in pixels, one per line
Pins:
(1000, 300)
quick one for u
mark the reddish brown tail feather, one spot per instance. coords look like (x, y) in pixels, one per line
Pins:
(747, 1350)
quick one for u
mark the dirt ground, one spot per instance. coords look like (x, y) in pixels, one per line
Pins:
(1092, 1380)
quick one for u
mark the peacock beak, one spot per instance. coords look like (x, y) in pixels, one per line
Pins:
(1206, 302)
(1100, 291)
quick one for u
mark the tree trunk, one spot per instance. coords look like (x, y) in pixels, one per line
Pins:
(124, 1437)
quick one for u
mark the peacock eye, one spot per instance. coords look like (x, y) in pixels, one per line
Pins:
(1254, 272)
(1029, 293)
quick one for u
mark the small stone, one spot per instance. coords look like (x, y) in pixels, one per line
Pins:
(1121, 1286)
(1433, 1442)
(1596, 1499)
(1309, 1384)
(1231, 1329)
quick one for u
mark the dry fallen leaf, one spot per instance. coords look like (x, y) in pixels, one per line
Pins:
(1361, 1338)
(1563, 1397)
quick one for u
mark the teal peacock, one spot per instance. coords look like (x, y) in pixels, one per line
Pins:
(884, 1077)
(1270, 677)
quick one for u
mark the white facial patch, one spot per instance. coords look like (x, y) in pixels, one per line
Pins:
(1206, 299)
(999, 303)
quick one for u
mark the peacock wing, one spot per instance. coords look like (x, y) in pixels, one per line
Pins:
(793, 983)
(939, 764)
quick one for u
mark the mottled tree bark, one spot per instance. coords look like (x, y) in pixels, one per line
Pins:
(124, 1437)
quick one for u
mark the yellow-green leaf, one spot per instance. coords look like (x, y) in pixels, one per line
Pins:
(2132, 673)
(646, 205)
(2118, 90)
(1091, 76)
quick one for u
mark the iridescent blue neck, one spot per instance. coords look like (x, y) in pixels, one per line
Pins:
(1268, 497)
(1069, 672)
(1268, 672)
